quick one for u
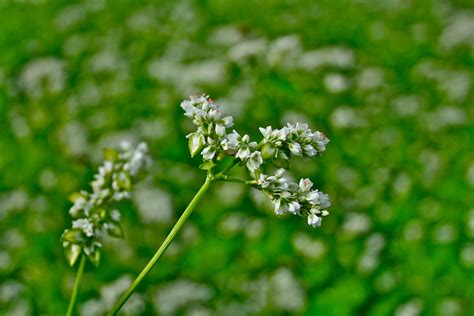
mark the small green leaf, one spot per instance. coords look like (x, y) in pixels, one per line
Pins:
(95, 257)
(102, 213)
(74, 197)
(74, 235)
(115, 230)
(221, 156)
(207, 165)
(195, 143)
(110, 154)
(72, 253)
(125, 182)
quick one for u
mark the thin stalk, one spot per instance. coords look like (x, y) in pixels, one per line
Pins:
(163, 246)
(77, 283)
(226, 178)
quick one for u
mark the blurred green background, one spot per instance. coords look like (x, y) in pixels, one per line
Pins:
(390, 82)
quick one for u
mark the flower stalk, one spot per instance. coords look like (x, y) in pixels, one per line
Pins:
(192, 205)
(77, 284)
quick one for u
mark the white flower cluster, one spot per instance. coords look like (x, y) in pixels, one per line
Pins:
(297, 199)
(92, 212)
(211, 125)
(297, 140)
(278, 146)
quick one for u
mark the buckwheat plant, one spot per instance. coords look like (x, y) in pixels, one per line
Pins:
(222, 150)
(94, 213)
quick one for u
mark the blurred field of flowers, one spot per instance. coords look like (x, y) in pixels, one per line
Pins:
(390, 82)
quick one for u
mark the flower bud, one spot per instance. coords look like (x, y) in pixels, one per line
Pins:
(268, 151)
(195, 143)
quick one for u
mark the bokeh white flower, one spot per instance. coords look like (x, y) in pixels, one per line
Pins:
(93, 212)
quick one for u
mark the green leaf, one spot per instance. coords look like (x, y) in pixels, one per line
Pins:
(95, 257)
(110, 154)
(73, 235)
(102, 213)
(74, 197)
(72, 253)
(115, 230)
(207, 165)
(125, 182)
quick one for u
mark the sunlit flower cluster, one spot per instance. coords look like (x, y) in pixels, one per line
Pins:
(211, 125)
(290, 197)
(277, 146)
(93, 212)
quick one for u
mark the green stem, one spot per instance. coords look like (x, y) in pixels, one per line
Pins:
(229, 166)
(163, 246)
(226, 178)
(77, 283)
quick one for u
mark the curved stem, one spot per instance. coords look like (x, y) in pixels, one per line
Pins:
(77, 284)
(163, 246)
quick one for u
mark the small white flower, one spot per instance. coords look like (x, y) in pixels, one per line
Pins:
(245, 147)
(320, 140)
(243, 153)
(107, 168)
(254, 161)
(324, 200)
(301, 128)
(231, 142)
(309, 150)
(115, 215)
(262, 181)
(305, 185)
(214, 115)
(280, 206)
(275, 137)
(228, 121)
(220, 130)
(295, 149)
(280, 173)
(98, 183)
(80, 204)
(313, 197)
(266, 132)
(140, 160)
(208, 153)
(294, 207)
(85, 225)
(277, 181)
(119, 196)
(189, 109)
(314, 220)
